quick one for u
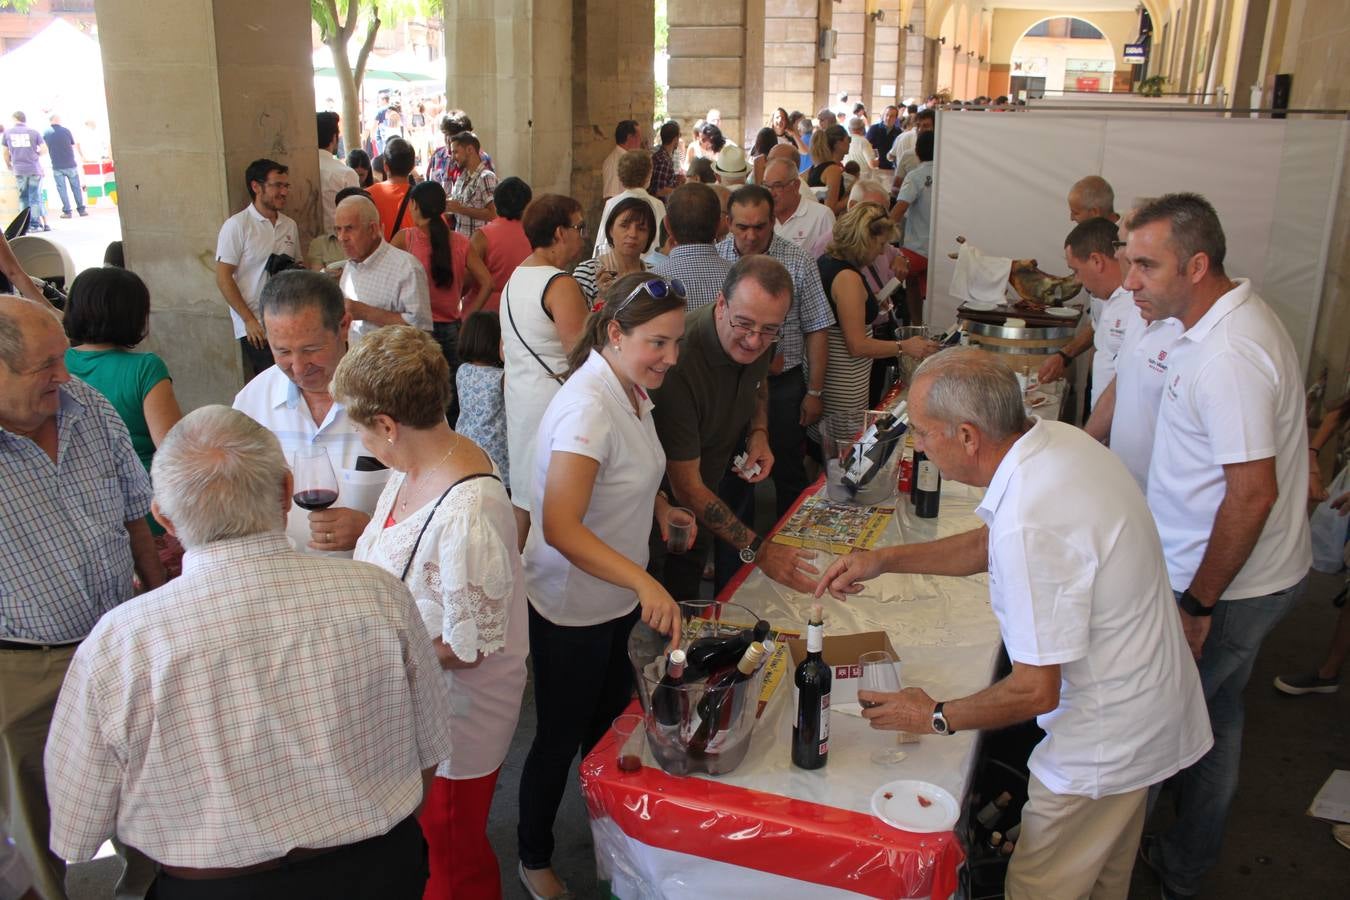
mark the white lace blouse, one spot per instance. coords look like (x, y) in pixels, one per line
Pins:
(467, 579)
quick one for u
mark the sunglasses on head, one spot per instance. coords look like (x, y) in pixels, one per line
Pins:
(659, 288)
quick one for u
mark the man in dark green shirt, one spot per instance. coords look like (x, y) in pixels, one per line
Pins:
(716, 396)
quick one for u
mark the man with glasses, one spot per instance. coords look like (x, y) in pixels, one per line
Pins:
(793, 402)
(801, 224)
(716, 399)
(248, 240)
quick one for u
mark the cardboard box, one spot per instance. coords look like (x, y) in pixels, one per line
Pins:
(842, 651)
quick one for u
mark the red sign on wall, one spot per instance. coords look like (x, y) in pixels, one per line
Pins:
(1088, 84)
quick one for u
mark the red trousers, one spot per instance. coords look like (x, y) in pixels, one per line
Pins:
(454, 822)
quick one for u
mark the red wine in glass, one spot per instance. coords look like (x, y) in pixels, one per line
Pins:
(315, 484)
(318, 498)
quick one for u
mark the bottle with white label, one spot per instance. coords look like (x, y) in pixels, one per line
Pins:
(811, 730)
(927, 488)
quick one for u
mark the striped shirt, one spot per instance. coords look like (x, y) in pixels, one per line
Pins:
(700, 268)
(809, 312)
(259, 702)
(65, 558)
(274, 402)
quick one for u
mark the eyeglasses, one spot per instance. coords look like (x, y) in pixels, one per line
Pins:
(778, 185)
(659, 288)
(579, 228)
(770, 333)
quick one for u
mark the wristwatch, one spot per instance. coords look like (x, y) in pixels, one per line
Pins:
(1064, 356)
(940, 725)
(814, 393)
(750, 553)
(1193, 607)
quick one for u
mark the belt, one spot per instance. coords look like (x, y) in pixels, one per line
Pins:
(22, 645)
(299, 854)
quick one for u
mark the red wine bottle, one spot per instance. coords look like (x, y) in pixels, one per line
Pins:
(919, 457)
(811, 731)
(714, 709)
(927, 489)
(668, 699)
(708, 655)
(319, 498)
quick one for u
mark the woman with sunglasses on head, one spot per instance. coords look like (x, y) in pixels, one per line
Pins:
(597, 468)
(543, 312)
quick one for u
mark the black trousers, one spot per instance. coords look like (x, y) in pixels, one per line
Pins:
(391, 865)
(582, 680)
(256, 361)
(447, 335)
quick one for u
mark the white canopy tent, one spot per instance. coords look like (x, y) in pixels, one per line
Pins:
(60, 69)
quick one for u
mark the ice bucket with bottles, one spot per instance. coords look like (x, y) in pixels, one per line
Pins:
(682, 739)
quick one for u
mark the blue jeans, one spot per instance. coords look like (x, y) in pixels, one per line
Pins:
(30, 195)
(62, 176)
(1204, 792)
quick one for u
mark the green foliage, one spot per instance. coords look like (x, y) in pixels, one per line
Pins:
(1152, 86)
(19, 6)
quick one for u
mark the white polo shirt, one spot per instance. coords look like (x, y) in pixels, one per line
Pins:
(1110, 319)
(388, 279)
(1083, 586)
(334, 175)
(591, 416)
(1234, 393)
(274, 402)
(811, 223)
(1141, 371)
(609, 173)
(246, 240)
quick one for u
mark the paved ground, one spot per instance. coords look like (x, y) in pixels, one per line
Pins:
(86, 238)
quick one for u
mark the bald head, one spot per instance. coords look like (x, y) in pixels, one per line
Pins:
(21, 322)
(1092, 198)
(32, 365)
(787, 152)
(361, 209)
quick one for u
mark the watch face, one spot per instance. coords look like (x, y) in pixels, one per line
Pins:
(939, 723)
(747, 555)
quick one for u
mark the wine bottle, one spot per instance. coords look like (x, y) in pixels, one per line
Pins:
(919, 457)
(927, 489)
(874, 449)
(992, 811)
(714, 704)
(713, 654)
(811, 731)
(668, 699)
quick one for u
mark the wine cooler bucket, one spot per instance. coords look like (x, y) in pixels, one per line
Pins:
(679, 740)
(858, 470)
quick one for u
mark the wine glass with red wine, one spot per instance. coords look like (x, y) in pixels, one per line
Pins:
(881, 673)
(315, 484)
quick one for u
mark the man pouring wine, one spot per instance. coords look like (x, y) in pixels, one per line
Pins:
(1081, 594)
(336, 485)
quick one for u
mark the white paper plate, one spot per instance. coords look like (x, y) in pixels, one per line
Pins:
(904, 811)
(980, 305)
(1061, 312)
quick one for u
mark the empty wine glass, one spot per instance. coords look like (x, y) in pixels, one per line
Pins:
(881, 673)
(315, 484)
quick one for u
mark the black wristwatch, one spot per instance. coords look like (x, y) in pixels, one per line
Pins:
(1064, 356)
(750, 553)
(1193, 607)
(940, 724)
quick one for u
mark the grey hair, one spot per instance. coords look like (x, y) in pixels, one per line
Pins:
(294, 291)
(973, 387)
(1094, 192)
(1194, 223)
(14, 311)
(857, 125)
(865, 189)
(219, 475)
(369, 211)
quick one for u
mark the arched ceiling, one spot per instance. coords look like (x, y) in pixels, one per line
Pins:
(937, 10)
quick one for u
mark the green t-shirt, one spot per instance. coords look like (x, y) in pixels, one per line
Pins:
(704, 405)
(124, 378)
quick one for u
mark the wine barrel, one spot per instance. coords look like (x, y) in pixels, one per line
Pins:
(1023, 349)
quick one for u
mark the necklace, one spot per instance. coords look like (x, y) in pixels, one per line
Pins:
(408, 491)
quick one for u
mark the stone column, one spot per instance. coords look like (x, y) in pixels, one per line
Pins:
(509, 66)
(186, 116)
(707, 62)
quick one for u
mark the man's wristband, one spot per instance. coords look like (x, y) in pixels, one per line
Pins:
(1193, 607)
(1064, 356)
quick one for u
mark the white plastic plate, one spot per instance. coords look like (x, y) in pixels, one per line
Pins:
(903, 809)
(1061, 312)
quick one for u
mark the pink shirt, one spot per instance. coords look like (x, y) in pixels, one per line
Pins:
(444, 300)
(507, 247)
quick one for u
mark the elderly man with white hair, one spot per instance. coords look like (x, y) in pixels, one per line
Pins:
(795, 221)
(1086, 612)
(266, 724)
(383, 284)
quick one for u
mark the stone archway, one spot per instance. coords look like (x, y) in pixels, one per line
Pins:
(1062, 58)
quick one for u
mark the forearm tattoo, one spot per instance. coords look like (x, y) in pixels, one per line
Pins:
(724, 524)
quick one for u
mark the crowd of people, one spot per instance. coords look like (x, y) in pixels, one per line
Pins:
(259, 692)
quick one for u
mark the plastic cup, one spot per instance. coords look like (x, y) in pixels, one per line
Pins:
(679, 529)
(629, 734)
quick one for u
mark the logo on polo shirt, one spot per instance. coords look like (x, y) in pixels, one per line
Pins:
(1172, 392)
